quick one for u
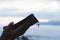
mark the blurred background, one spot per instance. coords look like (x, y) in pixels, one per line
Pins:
(46, 11)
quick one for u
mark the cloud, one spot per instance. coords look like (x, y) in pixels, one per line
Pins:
(31, 6)
(3, 20)
(42, 8)
(39, 14)
(30, 0)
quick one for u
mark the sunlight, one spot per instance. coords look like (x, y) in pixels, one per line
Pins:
(43, 20)
(7, 20)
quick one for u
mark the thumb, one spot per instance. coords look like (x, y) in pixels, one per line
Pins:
(10, 25)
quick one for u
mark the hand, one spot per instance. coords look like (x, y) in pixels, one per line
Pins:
(10, 34)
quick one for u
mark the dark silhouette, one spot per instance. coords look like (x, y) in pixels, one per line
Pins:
(12, 31)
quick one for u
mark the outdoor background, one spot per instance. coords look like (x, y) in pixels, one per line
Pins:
(46, 11)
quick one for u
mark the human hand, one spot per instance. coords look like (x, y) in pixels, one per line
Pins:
(8, 32)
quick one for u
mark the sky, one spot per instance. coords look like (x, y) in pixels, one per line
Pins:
(44, 10)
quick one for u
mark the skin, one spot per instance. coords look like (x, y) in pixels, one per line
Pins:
(11, 34)
(8, 33)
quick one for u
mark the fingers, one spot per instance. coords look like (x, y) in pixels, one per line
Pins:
(9, 25)
(4, 27)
